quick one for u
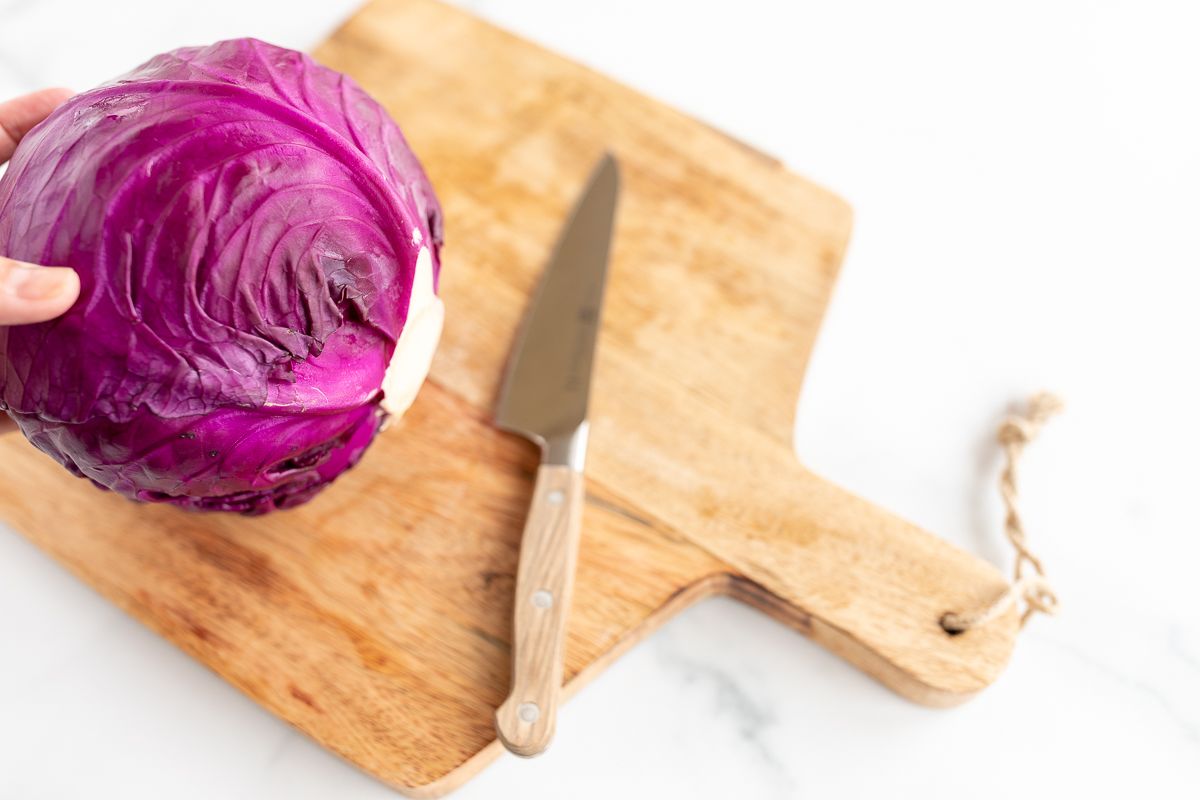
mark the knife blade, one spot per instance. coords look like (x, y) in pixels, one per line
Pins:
(545, 398)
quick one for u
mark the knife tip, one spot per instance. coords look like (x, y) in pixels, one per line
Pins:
(607, 170)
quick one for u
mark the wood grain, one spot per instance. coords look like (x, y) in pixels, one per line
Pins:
(378, 619)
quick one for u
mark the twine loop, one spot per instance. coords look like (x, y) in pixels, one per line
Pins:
(1030, 585)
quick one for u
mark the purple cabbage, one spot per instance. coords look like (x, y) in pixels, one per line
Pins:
(246, 225)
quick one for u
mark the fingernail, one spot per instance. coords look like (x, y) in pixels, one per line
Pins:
(36, 283)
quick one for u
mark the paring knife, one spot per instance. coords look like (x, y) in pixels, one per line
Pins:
(545, 398)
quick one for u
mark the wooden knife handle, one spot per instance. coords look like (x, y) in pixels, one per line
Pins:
(545, 578)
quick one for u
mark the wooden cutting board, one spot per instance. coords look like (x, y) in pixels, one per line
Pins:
(377, 619)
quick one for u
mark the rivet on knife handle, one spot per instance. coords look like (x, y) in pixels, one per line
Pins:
(550, 544)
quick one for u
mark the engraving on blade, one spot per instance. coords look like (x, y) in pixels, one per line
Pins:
(546, 389)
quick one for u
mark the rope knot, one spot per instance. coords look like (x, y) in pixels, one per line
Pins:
(1022, 429)
(1015, 431)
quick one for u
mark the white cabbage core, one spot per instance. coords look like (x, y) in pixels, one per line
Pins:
(418, 342)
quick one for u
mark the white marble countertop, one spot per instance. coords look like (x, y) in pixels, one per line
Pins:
(1025, 180)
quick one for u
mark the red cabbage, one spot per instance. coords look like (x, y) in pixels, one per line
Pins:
(246, 225)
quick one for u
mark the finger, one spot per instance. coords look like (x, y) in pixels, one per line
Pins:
(30, 293)
(20, 114)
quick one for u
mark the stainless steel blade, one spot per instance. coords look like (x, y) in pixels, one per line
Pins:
(545, 394)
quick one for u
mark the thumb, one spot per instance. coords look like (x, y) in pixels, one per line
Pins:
(29, 293)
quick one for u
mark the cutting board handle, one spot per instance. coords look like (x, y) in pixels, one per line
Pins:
(882, 608)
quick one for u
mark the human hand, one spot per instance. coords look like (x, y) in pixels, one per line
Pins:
(30, 293)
